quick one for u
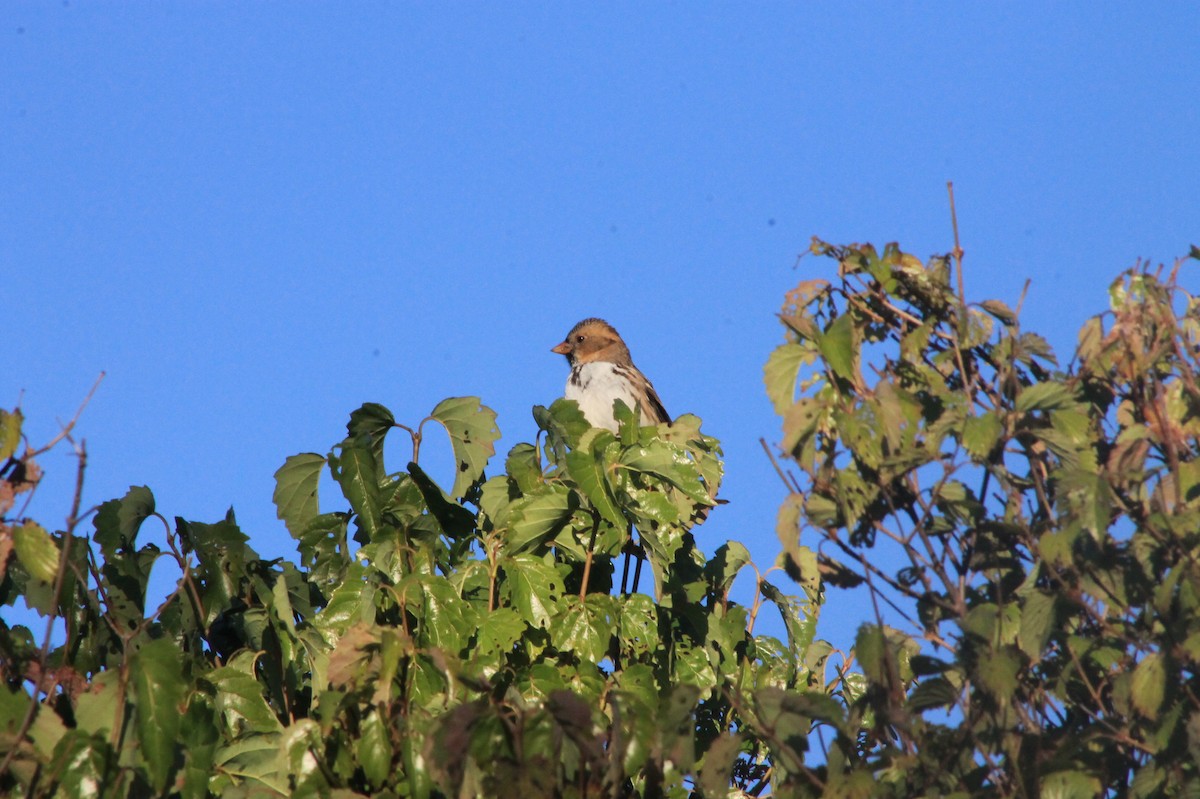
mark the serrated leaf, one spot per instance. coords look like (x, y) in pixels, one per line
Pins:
(933, 692)
(295, 494)
(118, 520)
(980, 434)
(1149, 684)
(998, 674)
(780, 373)
(473, 435)
(1038, 619)
(447, 620)
(158, 691)
(838, 348)
(1044, 397)
(723, 567)
(799, 617)
(499, 631)
(1070, 785)
(36, 551)
(718, 764)
(870, 650)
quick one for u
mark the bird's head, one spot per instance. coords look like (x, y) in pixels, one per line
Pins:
(593, 340)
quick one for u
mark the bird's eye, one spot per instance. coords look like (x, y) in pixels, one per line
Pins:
(579, 339)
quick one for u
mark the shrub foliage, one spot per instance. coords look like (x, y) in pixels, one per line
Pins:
(427, 642)
(1034, 528)
(1025, 532)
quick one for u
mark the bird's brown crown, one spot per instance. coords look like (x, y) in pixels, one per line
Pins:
(593, 339)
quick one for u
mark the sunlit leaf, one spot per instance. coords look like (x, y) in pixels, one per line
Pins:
(10, 433)
(781, 372)
(587, 465)
(295, 494)
(839, 348)
(36, 550)
(473, 435)
(1149, 684)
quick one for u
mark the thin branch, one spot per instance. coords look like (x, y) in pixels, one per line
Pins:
(69, 426)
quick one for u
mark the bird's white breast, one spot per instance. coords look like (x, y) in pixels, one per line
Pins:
(595, 386)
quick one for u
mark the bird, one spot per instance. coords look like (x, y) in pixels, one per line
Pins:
(602, 372)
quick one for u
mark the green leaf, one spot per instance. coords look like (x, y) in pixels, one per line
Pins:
(1149, 684)
(373, 421)
(870, 647)
(36, 551)
(724, 566)
(980, 434)
(1070, 785)
(10, 433)
(838, 348)
(447, 621)
(473, 434)
(998, 673)
(718, 765)
(84, 761)
(638, 635)
(524, 466)
(586, 627)
(1038, 620)
(499, 631)
(455, 520)
(354, 468)
(781, 372)
(240, 700)
(999, 310)
(158, 691)
(538, 518)
(587, 466)
(222, 555)
(669, 465)
(375, 750)
(536, 588)
(799, 616)
(1044, 397)
(934, 692)
(295, 493)
(118, 520)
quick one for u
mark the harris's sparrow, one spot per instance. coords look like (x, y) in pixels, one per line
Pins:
(602, 372)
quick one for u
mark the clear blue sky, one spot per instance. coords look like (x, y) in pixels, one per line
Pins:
(257, 216)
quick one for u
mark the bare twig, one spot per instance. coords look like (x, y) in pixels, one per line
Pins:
(66, 430)
(790, 485)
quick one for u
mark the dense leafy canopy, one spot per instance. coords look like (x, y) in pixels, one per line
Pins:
(1026, 533)
(1033, 528)
(425, 643)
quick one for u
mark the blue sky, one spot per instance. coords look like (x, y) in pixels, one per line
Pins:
(257, 216)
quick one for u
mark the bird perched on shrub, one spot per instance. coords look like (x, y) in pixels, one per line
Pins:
(602, 372)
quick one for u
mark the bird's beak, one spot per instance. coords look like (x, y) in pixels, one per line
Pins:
(562, 349)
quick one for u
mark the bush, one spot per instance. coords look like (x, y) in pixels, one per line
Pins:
(1026, 534)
